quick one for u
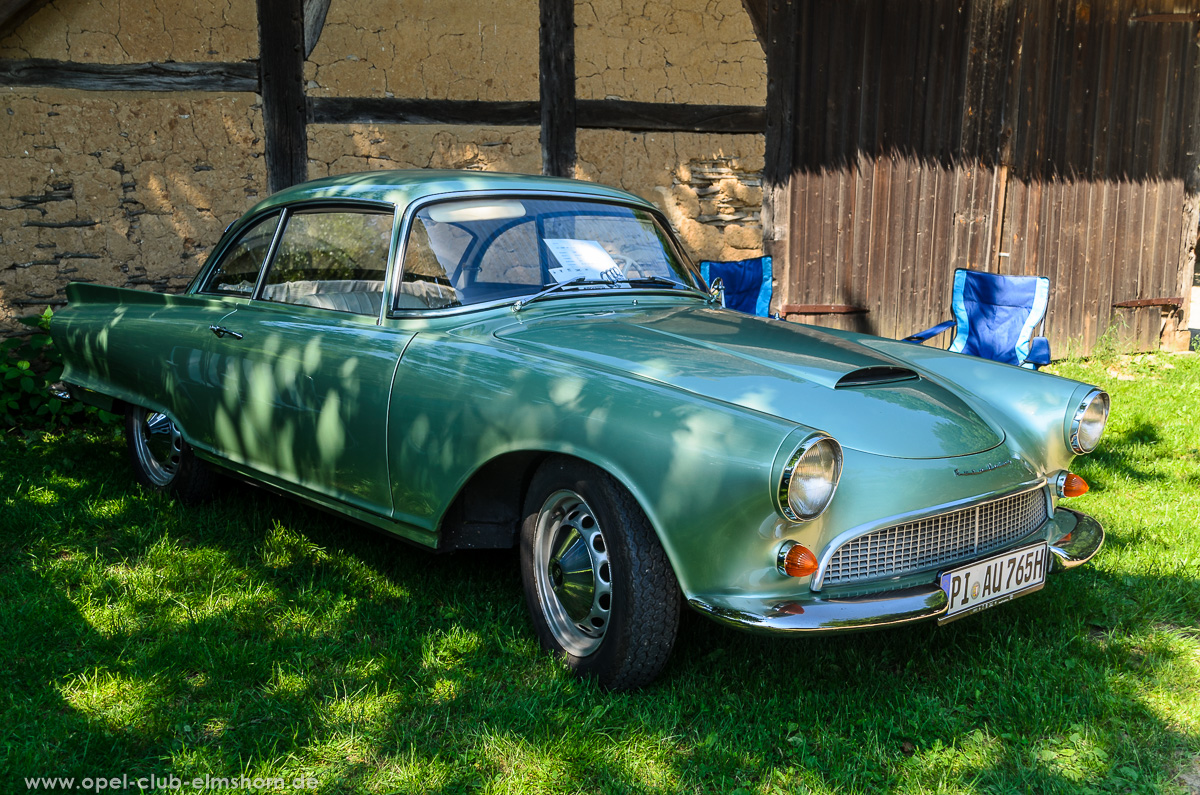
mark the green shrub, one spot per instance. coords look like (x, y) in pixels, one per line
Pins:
(29, 366)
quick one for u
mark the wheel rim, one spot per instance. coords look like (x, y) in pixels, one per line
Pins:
(159, 446)
(574, 578)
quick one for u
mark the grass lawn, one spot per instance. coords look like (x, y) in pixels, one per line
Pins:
(253, 636)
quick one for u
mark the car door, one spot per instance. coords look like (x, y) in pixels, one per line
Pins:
(306, 369)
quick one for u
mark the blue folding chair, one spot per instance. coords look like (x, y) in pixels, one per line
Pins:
(996, 317)
(747, 283)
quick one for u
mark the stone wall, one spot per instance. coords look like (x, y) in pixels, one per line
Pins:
(134, 31)
(709, 186)
(443, 49)
(123, 189)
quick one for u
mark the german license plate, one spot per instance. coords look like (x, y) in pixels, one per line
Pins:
(994, 581)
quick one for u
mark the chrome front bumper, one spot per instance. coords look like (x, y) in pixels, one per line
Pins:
(818, 613)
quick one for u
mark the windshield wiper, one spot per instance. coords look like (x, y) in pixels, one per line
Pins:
(655, 280)
(554, 288)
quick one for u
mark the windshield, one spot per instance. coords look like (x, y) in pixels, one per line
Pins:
(478, 250)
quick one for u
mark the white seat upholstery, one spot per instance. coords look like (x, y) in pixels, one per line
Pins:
(357, 296)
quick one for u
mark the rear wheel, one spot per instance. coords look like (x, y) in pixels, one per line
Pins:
(600, 590)
(160, 457)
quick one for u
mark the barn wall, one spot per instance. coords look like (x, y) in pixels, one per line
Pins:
(133, 188)
(441, 49)
(134, 31)
(929, 137)
(709, 186)
(118, 188)
(665, 51)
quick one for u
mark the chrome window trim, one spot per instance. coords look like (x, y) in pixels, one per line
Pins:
(818, 579)
(205, 273)
(394, 280)
(785, 479)
(1077, 420)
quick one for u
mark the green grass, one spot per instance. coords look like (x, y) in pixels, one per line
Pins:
(253, 636)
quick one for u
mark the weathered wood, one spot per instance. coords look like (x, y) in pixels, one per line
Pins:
(619, 114)
(281, 64)
(38, 72)
(15, 12)
(556, 79)
(1184, 18)
(757, 11)
(1145, 302)
(388, 110)
(602, 114)
(314, 22)
(781, 46)
(822, 309)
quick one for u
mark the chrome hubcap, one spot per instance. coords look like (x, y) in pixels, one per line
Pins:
(574, 580)
(159, 446)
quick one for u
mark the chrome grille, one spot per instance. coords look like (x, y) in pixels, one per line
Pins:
(938, 540)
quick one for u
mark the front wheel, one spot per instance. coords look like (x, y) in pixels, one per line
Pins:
(160, 457)
(600, 590)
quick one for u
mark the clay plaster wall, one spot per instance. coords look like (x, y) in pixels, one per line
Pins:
(123, 189)
(667, 51)
(709, 186)
(135, 31)
(338, 149)
(447, 49)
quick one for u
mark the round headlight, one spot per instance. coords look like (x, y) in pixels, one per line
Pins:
(810, 478)
(1088, 423)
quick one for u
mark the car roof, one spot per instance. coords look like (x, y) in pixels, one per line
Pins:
(402, 187)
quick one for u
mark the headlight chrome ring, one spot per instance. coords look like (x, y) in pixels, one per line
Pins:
(1087, 426)
(810, 478)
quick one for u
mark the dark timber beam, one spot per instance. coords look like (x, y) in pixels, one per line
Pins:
(600, 114)
(556, 78)
(782, 29)
(281, 65)
(619, 114)
(314, 23)
(41, 72)
(757, 11)
(387, 110)
(14, 12)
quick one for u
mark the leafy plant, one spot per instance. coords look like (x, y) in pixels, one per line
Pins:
(29, 366)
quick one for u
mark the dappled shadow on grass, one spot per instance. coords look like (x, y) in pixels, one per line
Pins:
(255, 634)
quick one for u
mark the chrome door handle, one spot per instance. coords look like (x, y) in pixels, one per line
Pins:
(221, 331)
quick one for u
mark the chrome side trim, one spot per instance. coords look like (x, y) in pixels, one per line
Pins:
(818, 579)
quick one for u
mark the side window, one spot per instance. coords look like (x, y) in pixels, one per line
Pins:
(431, 259)
(332, 259)
(237, 272)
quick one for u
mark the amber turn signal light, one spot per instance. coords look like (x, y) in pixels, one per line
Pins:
(796, 561)
(1074, 486)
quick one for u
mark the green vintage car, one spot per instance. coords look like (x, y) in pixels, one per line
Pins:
(470, 360)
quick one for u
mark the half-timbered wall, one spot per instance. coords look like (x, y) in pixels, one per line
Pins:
(135, 130)
(1015, 136)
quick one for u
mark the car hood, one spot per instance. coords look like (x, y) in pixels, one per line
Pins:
(867, 401)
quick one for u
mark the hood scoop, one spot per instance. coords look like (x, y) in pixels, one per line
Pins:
(874, 376)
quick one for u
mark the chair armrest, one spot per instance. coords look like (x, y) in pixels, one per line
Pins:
(1039, 352)
(921, 336)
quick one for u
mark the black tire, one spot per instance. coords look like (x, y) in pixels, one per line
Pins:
(600, 590)
(162, 460)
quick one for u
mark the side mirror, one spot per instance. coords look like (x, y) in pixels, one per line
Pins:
(716, 292)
